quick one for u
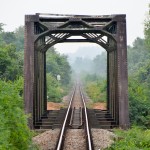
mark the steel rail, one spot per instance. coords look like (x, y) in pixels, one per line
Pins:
(87, 123)
(64, 123)
(89, 141)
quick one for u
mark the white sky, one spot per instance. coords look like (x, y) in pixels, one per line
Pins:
(12, 13)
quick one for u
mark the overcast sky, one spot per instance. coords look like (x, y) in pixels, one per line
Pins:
(12, 13)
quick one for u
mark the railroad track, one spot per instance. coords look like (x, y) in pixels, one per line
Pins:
(76, 124)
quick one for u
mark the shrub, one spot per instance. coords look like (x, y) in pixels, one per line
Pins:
(54, 90)
(132, 139)
(14, 132)
(96, 91)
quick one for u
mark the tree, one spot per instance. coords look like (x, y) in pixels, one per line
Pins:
(54, 90)
(19, 35)
(58, 64)
(139, 83)
(16, 37)
(8, 37)
(137, 54)
(1, 30)
(1, 27)
(99, 65)
(14, 132)
(11, 62)
(147, 29)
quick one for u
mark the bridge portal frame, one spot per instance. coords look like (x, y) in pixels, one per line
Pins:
(45, 30)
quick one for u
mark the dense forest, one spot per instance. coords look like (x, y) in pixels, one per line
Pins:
(14, 132)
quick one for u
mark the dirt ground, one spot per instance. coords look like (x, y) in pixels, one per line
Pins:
(54, 106)
(99, 105)
(57, 106)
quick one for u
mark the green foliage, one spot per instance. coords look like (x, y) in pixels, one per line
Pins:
(137, 55)
(19, 35)
(139, 86)
(16, 38)
(14, 133)
(1, 27)
(91, 78)
(11, 62)
(93, 74)
(94, 91)
(132, 139)
(99, 64)
(82, 65)
(54, 90)
(95, 88)
(139, 83)
(8, 37)
(58, 65)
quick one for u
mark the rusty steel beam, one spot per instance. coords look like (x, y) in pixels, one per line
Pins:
(122, 74)
(29, 68)
(40, 26)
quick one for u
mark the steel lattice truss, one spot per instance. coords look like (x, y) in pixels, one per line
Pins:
(99, 29)
(43, 31)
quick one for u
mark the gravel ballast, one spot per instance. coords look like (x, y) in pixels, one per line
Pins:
(75, 139)
(102, 138)
(47, 140)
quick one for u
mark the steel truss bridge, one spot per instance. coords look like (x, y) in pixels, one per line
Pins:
(43, 31)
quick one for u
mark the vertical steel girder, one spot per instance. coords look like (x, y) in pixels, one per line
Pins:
(29, 69)
(122, 77)
(43, 32)
(34, 74)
